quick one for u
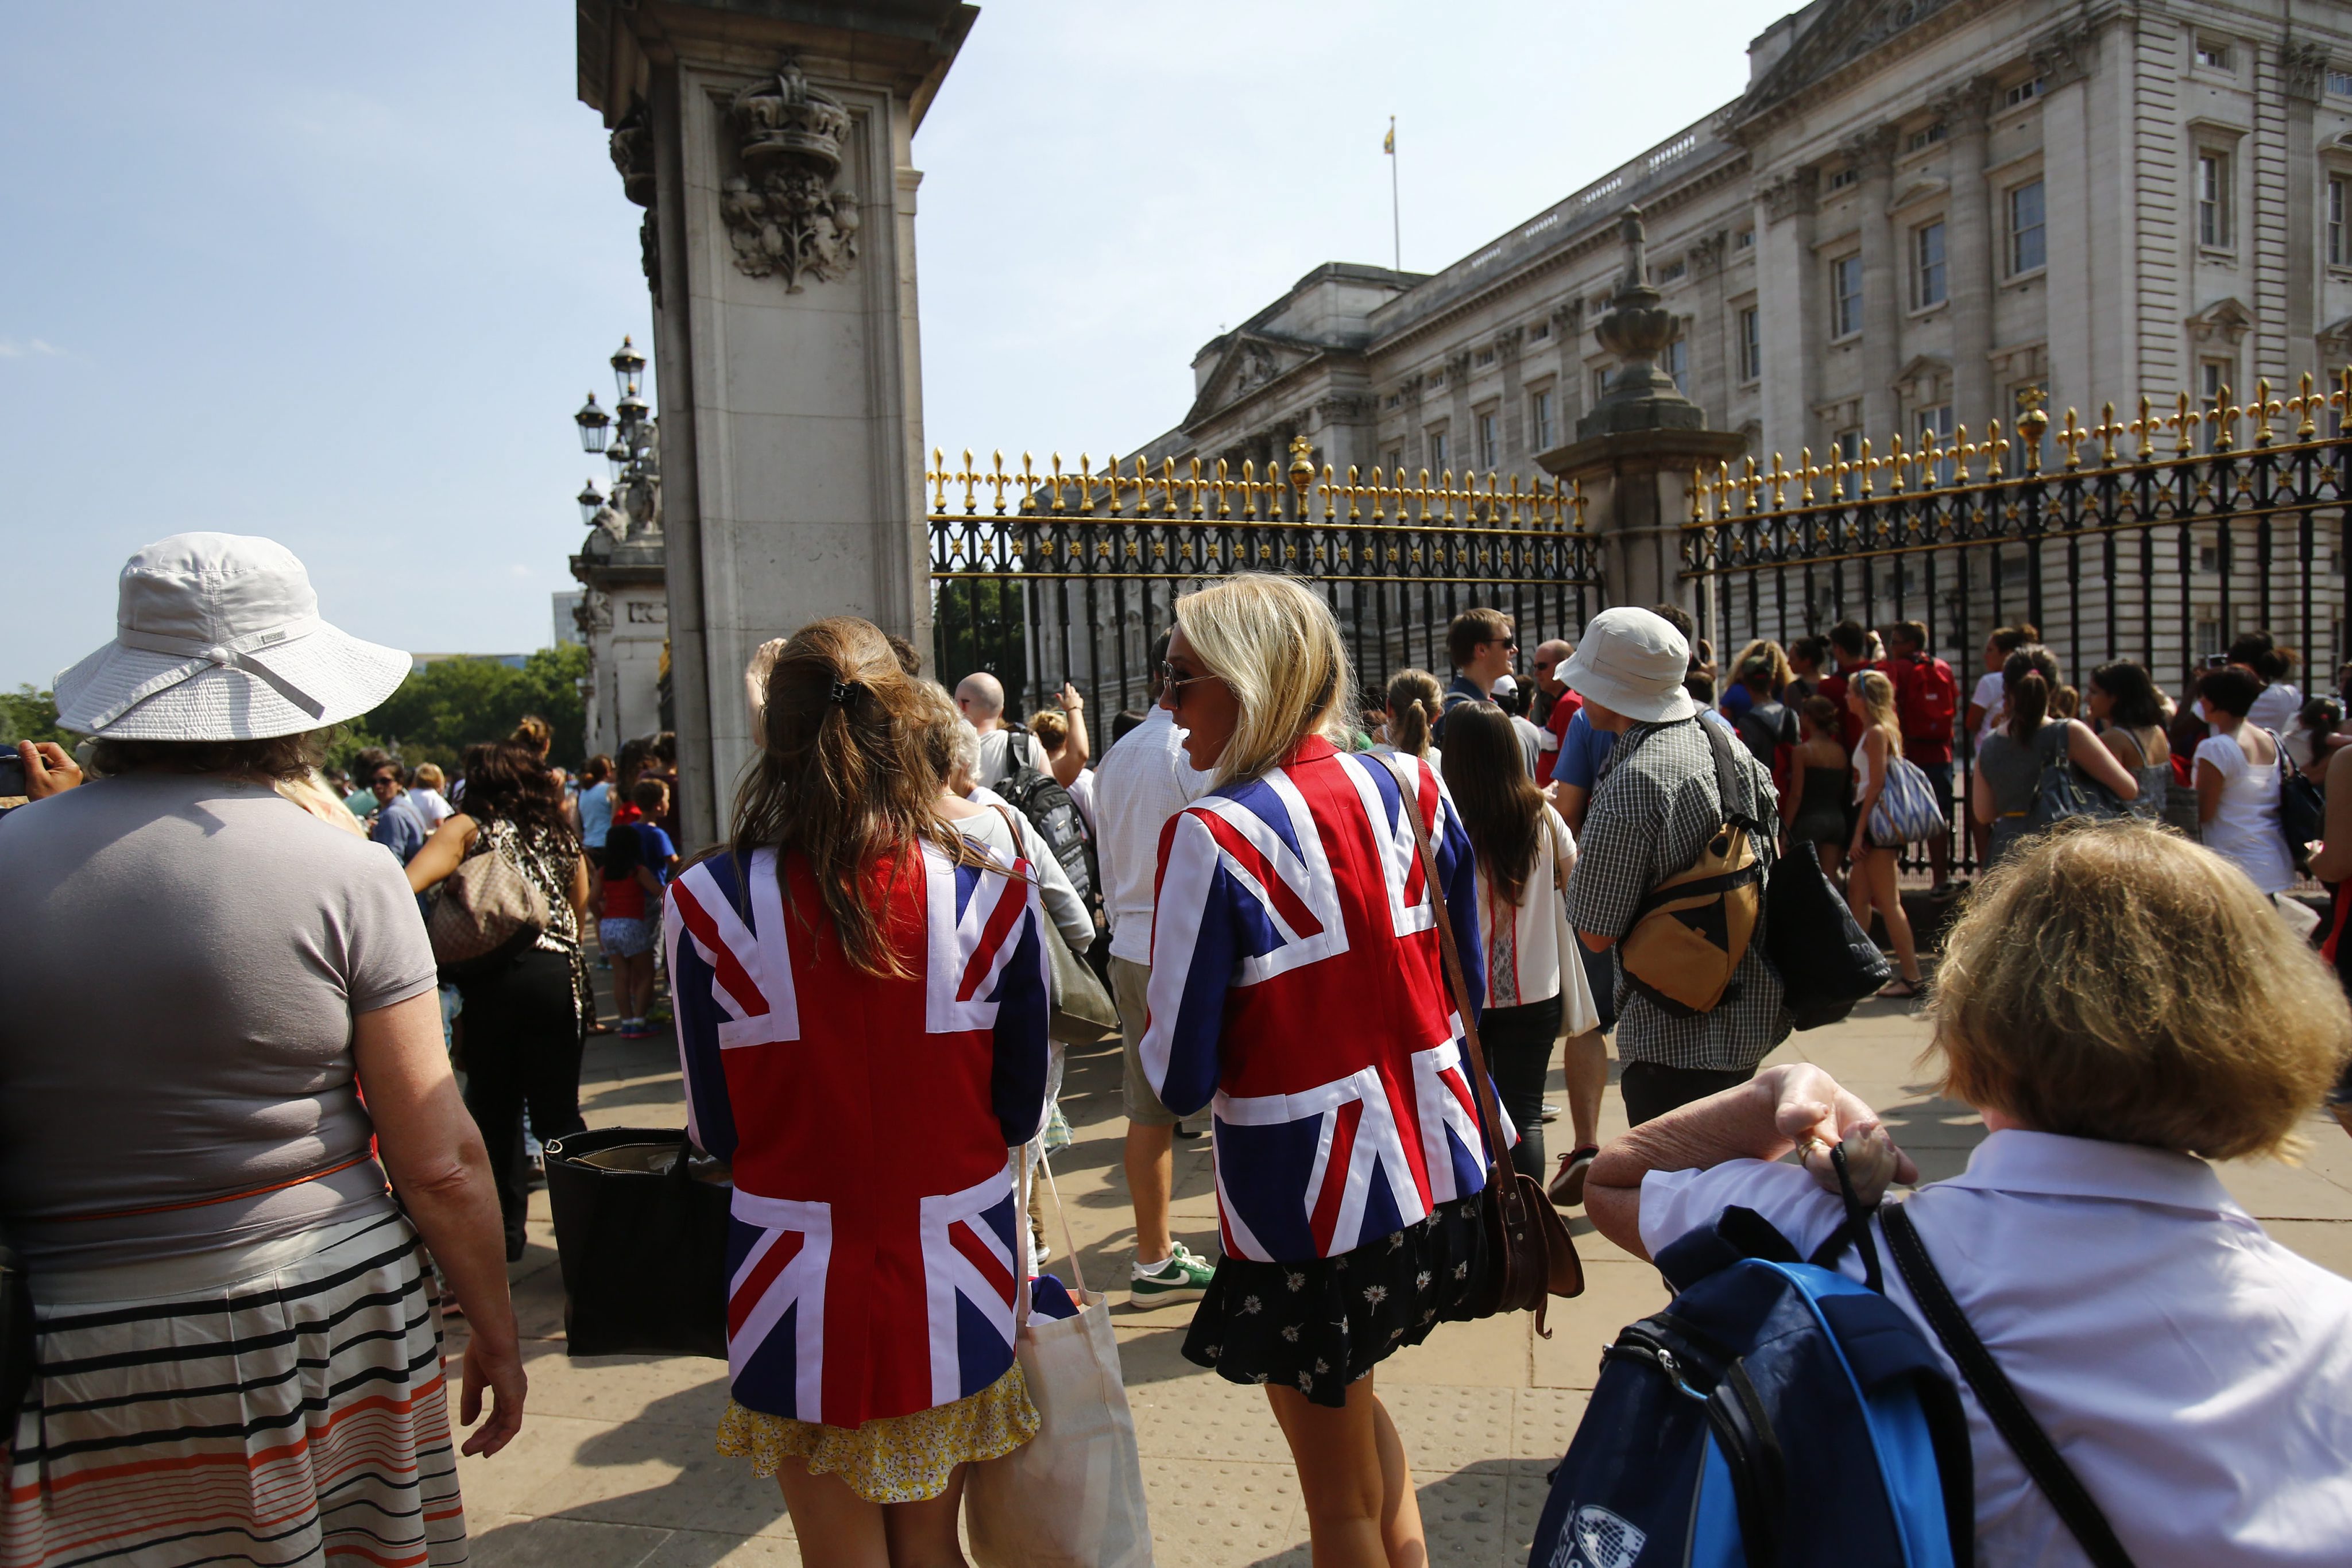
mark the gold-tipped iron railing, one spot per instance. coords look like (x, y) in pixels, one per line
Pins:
(2166, 532)
(1042, 573)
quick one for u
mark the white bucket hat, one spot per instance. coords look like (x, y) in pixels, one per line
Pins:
(1633, 661)
(217, 637)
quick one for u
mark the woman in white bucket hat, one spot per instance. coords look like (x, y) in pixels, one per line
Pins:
(239, 1346)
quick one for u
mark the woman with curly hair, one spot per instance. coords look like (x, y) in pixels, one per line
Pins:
(526, 1021)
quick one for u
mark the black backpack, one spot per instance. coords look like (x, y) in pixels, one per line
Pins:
(1039, 796)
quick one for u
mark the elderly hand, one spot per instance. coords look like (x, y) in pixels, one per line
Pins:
(1815, 1112)
(49, 769)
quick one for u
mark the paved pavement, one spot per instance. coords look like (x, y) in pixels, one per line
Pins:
(615, 1467)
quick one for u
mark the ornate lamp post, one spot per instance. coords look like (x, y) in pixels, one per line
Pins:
(623, 613)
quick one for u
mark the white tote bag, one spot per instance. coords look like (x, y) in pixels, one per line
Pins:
(1071, 1496)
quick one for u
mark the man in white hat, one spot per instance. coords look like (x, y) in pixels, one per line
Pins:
(1656, 803)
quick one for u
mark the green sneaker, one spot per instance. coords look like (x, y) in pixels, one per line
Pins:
(1184, 1277)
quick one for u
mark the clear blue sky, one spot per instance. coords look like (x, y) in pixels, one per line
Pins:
(339, 274)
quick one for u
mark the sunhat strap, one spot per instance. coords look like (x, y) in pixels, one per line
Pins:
(237, 653)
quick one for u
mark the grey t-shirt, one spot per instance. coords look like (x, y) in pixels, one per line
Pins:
(183, 960)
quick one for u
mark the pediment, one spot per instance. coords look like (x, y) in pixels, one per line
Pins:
(2225, 320)
(1916, 191)
(1249, 361)
(2335, 338)
(1844, 32)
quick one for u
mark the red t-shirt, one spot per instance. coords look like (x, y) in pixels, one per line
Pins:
(1564, 709)
(624, 899)
(1925, 699)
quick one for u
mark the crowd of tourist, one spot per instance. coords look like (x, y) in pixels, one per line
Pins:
(251, 1189)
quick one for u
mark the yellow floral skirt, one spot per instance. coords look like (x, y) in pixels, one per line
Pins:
(898, 1458)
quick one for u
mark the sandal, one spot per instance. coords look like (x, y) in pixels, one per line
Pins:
(1908, 989)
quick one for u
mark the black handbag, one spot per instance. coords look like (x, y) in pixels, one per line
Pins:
(1827, 962)
(2303, 807)
(641, 1235)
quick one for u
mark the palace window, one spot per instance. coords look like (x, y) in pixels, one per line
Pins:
(2213, 57)
(1437, 450)
(2339, 84)
(1935, 434)
(1396, 464)
(2214, 200)
(1539, 418)
(1744, 240)
(2028, 241)
(1672, 271)
(1675, 362)
(1849, 450)
(1927, 136)
(1539, 332)
(1485, 357)
(2337, 189)
(1844, 177)
(1490, 457)
(2212, 391)
(1600, 383)
(1751, 345)
(1928, 278)
(2023, 92)
(1845, 296)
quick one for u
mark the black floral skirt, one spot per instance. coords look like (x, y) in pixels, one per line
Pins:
(1319, 1325)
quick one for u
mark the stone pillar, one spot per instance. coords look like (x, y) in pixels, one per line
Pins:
(1568, 331)
(1511, 425)
(780, 248)
(2302, 68)
(1634, 452)
(1971, 255)
(1793, 296)
(1886, 283)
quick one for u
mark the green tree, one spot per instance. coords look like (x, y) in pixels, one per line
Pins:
(447, 706)
(977, 624)
(27, 714)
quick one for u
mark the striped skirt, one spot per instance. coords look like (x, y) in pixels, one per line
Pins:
(297, 1416)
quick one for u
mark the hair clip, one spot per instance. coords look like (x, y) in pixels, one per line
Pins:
(843, 691)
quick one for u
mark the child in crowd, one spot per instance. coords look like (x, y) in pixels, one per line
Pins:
(639, 860)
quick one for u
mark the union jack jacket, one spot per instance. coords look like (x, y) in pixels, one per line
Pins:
(1296, 984)
(871, 1252)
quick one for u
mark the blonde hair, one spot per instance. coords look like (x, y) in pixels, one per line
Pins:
(2115, 981)
(1413, 701)
(1772, 653)
(1051, 726)
(1878, 701)
(1276, 647)
(430, 777)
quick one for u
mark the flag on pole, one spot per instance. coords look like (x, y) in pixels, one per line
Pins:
(1388, 143)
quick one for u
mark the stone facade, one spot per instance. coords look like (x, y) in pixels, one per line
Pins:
(1919, 208)
(623, 616)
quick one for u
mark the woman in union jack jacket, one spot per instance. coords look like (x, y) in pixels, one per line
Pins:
(861, 995)
(1297, 986)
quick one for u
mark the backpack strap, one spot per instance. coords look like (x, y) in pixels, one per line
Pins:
(1993, 1390)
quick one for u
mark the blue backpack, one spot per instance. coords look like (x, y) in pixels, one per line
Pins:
(1775, 1412)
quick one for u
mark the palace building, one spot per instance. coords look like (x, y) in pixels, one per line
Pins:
(1918, 209)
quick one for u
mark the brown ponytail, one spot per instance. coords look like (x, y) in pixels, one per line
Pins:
(843, 777)
(2029, 675)
(1414, 703)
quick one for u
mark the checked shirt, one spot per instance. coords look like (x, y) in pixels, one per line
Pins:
(1653, 809)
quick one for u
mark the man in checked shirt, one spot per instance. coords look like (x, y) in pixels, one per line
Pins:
(1655, 804)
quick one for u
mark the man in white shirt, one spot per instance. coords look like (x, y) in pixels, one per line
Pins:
(980, 698)
(1140, 782)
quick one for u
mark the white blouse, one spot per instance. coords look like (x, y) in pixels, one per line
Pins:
(2245, 829)
(1531, 954)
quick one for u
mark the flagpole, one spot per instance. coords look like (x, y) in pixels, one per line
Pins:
(1396, 222)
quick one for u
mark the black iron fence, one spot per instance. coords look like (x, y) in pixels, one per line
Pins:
(2159, 539)
(1043, 576)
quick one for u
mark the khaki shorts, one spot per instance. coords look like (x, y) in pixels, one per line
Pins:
(1127, 984)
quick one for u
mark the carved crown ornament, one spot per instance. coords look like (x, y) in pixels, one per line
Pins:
(632, 146)
(782, 215)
